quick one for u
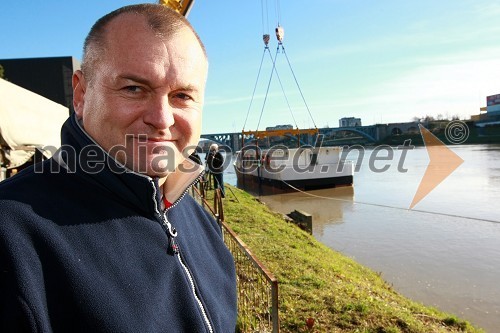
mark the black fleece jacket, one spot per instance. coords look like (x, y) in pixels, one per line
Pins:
(88, 250)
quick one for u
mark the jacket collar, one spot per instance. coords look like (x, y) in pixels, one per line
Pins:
(79, 153)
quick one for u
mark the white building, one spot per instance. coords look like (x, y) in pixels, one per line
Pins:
(349, 122)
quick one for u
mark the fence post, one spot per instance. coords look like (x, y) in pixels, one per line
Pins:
(274, 311)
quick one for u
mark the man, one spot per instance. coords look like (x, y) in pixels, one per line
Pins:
(102, 237)
(215, 164)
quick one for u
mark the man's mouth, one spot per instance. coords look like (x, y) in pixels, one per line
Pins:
(158, 139)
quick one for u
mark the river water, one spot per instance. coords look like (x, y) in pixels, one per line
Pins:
(445, 252)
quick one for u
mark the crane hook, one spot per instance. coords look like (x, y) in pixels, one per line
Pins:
(280, 33)
(266, 38)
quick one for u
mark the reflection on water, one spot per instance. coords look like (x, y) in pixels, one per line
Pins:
(445, 253)
(326, 205)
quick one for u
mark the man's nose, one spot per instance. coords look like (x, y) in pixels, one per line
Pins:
(161, 113)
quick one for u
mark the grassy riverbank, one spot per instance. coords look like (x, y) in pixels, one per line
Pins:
(317, 282)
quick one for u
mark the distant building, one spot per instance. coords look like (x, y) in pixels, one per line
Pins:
(482, 116)
(349, 122)
(493, 105)
(48, 77)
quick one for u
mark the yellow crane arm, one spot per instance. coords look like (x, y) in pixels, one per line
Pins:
(180, 6)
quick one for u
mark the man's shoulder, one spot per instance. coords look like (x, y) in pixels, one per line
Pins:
(32, 182)
(22, 179)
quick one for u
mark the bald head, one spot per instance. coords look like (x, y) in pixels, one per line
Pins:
(163, 22)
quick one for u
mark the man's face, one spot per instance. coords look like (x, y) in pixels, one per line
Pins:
(144, 103)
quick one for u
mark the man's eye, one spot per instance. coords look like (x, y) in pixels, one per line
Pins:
(183, 96)
(133, 89)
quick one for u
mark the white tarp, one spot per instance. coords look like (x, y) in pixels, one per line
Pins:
(28, 120)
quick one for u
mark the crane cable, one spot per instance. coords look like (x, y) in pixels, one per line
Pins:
(278, 12)
(279, 35)
(267, 90)
(280, 43)
(265, 37)
(283, 90)
(265, 25)
(275, 70)
(255, 87)
(298, 86)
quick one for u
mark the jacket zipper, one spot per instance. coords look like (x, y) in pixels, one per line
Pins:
(193, 288)
(173, 249)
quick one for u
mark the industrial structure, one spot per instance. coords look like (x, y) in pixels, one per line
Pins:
(48, 77)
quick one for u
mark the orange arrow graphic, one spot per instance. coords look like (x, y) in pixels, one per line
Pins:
(442, 163)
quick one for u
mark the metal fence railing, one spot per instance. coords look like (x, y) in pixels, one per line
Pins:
(257, 287)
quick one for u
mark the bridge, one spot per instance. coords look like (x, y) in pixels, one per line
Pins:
(229, 141)
(332, 136)
(368, 133)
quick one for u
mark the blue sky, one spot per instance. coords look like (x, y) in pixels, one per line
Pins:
(382, 61)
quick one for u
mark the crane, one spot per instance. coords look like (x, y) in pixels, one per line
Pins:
(181, 6)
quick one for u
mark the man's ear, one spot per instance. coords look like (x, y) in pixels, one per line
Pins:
(79, 88)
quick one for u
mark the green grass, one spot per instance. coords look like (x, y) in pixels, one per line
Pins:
(317, 282)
